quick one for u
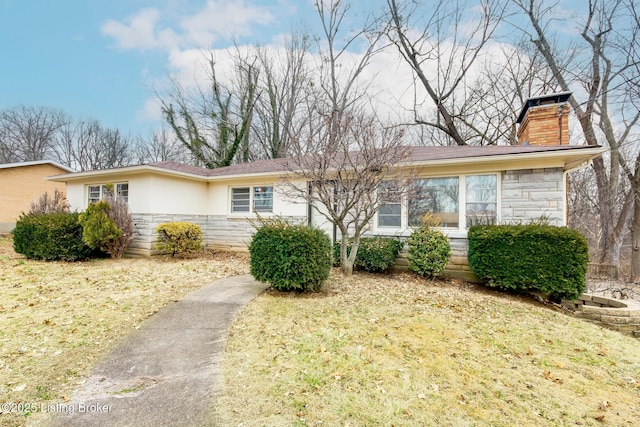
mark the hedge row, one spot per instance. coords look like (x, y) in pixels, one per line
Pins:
(527, 258)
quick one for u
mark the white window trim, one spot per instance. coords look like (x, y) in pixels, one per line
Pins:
(251, 213)
(461, 231)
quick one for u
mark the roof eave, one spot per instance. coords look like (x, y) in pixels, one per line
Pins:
(571, 157)
(128, 170)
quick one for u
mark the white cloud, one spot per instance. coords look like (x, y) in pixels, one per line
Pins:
(167, 29)
(223, 19)
(137, 32)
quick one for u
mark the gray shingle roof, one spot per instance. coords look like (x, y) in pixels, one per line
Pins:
(416, 155)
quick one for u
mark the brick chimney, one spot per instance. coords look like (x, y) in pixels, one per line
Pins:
(544, 120)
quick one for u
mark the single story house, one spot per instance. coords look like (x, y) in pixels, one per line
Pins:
(24, 183)
(509, 183)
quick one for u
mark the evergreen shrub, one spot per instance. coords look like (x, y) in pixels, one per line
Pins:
(428, 251)
(179, 237)
(290, 257)
(375, 254)
(99, 231)
(50, 237)
(534, 257)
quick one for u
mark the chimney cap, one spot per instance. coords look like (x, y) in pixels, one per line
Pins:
(552, 98)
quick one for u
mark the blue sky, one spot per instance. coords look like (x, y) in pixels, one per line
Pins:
(101, 58)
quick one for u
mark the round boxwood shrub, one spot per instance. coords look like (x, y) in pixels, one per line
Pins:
(50, 237)
(179, 237)
(290, 257)
(429, 251)
(375, 254)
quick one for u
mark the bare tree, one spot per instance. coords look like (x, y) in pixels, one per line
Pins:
(283, 81)
(215, 123)
(506, 79)
(343, 152)
(27, 133)
(351, 159)
(86, 145)
(48, 204)
(161, 146)
(442, 43)
(601, 68)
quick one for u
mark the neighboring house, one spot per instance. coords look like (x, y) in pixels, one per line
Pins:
(507, 183)
(23, 183)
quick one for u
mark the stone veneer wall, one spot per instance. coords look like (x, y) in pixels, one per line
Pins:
(529, 194)
(219, 231)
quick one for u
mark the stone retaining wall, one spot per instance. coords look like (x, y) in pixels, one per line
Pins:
(619, 315)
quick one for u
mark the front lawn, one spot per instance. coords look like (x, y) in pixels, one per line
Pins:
(402, 351)
(57, 319)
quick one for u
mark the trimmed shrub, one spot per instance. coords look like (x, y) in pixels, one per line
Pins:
(179, 237)
(290, 257)
(375, 254)
(528, 258)
(99, 231)
(429, 251)
(50, 237)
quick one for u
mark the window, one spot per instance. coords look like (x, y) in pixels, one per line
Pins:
(240, 199)
(263, 199)
(390, 214)
(98, 192)
(438, 196)
(481, 198)
(457, 201)
(95, 193)
(122, 192)
(256, 199)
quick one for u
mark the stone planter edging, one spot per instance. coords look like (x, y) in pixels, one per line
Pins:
(619, 315)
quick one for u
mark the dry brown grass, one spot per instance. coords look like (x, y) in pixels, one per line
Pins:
(57, 319)
(401, 351)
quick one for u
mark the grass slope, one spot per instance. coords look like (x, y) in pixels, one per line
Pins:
(374, 350)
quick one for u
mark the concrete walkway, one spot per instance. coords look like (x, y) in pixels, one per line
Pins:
(167, 372)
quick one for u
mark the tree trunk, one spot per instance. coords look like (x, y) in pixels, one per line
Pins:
(635, 234)
(346, 267)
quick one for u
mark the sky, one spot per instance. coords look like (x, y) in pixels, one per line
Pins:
(102, 59)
